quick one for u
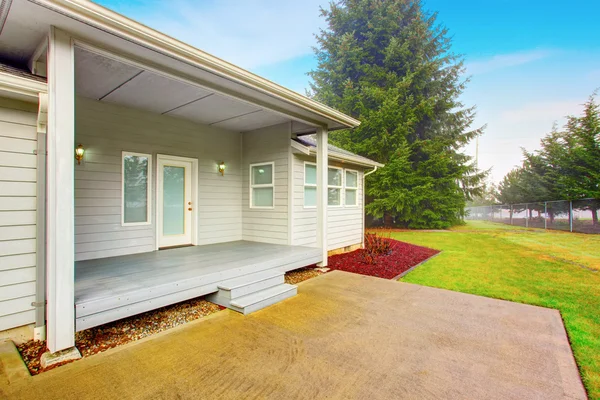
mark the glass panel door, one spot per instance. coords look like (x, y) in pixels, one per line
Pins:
(176, 206)
(173, 200)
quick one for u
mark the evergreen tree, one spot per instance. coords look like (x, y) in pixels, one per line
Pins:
(580, 167)
(389, 64)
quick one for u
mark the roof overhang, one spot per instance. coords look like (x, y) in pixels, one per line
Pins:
(344, 158)
(20, 88)
(94, 24)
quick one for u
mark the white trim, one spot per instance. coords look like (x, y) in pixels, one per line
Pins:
(307, 184)
(300, 147)
(290, 192)
(322, 173)
(346, 187)
(194, 179)
(60, 217)
(340, 188)
(148, 189)
(21, 88)
(253, 186)
(111, 22)
(36, 67)
(350, 159)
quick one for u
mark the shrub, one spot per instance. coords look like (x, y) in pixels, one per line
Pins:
(375, 245)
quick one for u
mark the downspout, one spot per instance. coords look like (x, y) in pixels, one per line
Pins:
(362, 243)
(39, 332)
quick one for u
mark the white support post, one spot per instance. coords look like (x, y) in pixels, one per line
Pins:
(322, 168)
(60, 259)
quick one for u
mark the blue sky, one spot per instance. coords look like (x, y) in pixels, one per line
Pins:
(531, 62)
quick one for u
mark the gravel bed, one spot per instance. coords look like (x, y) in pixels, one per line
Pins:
(104, 337)
(302, 274)
(101, 338)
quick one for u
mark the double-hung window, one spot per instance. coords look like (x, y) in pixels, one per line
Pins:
(262, 185)
(351, 188)
(334, 186)
(310, 185)
(135, 191)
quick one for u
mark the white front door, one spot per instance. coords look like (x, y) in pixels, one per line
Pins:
(175, 204)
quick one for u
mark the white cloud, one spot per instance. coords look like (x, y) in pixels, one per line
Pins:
(249, 34)
(505, 61)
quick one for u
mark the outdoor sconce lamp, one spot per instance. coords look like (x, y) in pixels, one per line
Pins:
(79, 150)
(222, 168)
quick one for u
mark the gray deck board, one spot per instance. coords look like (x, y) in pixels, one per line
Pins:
(119, 285)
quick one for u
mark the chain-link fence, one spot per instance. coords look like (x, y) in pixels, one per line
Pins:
(571, 216)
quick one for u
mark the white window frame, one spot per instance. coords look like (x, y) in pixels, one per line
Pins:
(307, 185)
(351, 188)
(341, 188)
(252, 187)
(148, 189)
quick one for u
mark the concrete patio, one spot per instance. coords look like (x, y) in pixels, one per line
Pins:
(342, 336)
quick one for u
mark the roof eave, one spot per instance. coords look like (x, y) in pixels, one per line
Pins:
(350, 159)
(113, 22)
(20, 87)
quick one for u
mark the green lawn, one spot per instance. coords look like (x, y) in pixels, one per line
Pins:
(549, 269)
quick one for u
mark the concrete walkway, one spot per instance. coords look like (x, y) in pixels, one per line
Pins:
(344, 336)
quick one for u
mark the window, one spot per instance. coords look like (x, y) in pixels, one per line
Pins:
(334, 186)
(351, 188)
(310, 184)
(136, 176)
(261, 185)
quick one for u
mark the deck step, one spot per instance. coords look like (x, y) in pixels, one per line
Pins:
(244, 285)
(258, 300)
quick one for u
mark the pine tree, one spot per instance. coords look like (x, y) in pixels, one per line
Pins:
(580, 168)
(389, 64)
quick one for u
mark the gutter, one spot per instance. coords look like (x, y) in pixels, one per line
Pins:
(311, 151)
(364, 219)
(353, 160)
(113, 23)
(16, 86)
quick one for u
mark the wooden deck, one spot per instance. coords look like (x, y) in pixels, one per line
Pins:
(112, 288)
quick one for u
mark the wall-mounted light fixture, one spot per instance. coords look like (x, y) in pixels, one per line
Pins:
(222, 168)
(79, 150)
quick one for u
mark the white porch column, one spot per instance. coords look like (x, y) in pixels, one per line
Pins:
(322, 167)
(60, 258)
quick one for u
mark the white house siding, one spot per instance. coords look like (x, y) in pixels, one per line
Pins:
(105, 131)
(271, 144)
(18, 142)
(344, 224)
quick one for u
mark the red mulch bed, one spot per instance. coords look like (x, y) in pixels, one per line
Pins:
(402, 257)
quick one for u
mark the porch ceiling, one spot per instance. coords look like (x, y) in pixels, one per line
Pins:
(243, 100)
(108, 80)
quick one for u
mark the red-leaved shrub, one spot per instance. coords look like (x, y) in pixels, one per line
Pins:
(375, 245)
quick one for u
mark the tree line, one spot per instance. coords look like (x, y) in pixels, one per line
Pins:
(566, 167)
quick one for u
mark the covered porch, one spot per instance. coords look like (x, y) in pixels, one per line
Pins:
(112, 288)
(123, 90)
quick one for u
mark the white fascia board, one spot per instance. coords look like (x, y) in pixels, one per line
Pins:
(110, 21)
(300, 147)
(350, 159)
(21, 88)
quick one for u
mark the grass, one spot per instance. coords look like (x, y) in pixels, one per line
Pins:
(544, 268)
